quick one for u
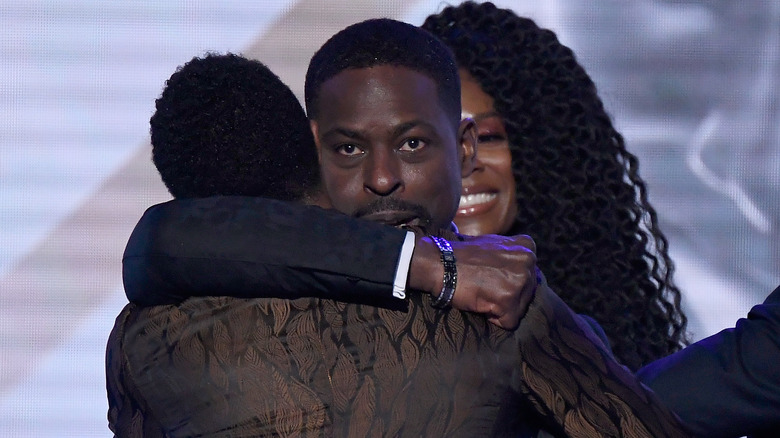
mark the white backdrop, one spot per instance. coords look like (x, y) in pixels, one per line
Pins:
(693, 86)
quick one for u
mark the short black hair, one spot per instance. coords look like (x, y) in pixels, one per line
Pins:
(380, 42)
(227, 125)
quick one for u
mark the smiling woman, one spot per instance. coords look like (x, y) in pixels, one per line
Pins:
(487, 202)
(551, 164)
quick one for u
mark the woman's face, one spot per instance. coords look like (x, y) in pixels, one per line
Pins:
(487, 201)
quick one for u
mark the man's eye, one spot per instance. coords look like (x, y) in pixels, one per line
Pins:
(349, 150)
(413, 144)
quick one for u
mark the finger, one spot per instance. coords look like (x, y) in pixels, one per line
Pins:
(526, 241)
(508, 321)
(525, 301)
(497, 322)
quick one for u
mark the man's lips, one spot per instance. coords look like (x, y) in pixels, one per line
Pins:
(393, 217)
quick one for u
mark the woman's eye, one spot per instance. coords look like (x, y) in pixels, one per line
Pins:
(412, 144)
(490, 138)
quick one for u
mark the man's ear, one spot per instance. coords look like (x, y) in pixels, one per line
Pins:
(318, 196)
(315, 130)
(467, 136)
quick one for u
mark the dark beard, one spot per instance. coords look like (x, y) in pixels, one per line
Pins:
(382, 204)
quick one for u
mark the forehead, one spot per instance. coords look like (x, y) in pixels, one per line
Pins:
(389, 94)
(475, 101)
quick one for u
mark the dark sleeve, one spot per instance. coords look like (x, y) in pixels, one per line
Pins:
(254, 247)
(726, 385)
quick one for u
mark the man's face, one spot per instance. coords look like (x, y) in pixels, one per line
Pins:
(387, 149)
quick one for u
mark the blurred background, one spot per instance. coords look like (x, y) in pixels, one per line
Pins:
(693, 86)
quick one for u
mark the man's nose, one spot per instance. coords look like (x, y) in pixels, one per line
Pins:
(383, 175)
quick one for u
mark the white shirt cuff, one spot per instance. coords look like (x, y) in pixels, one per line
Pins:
(402, 270)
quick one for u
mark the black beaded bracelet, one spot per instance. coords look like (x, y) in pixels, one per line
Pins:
(444, 299)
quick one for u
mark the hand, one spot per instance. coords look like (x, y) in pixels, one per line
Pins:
(496, 275)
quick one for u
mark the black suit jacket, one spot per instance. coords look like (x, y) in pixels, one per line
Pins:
(282, 247)
(728, 384)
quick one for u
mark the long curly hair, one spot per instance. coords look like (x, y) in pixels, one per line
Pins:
(579, 193)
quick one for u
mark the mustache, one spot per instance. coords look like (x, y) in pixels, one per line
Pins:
(384, 204)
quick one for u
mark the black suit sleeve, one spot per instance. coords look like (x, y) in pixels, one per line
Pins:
(247, 247)
(726, 385)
